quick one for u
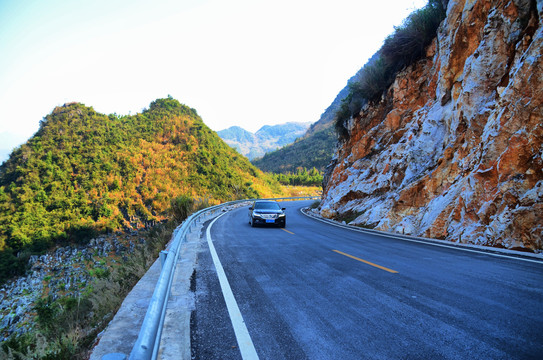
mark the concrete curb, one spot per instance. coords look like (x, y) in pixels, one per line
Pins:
(532, 257)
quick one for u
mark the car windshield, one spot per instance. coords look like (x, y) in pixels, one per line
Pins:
(267, 206)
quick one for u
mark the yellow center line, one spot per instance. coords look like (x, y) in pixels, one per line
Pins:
(287, 231)
(367, 262)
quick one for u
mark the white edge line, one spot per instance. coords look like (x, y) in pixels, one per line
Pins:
(425, 241)
(245, 343)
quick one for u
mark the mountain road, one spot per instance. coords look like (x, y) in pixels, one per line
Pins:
(317, 291)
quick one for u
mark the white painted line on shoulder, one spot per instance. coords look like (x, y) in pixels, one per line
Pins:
(245, 343)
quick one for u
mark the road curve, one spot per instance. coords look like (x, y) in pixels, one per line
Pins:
(315, 291)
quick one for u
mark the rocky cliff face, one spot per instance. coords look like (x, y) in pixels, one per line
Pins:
(454, 150)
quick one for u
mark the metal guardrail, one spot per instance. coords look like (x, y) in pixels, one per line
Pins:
(147, 344)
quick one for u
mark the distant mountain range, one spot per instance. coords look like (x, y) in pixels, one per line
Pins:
(268, 138)
(311, 151)
(314, 149)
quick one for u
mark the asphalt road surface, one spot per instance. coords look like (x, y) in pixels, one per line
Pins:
(316, 291)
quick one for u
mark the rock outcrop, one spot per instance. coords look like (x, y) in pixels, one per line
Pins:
(65, 272)
(454, 150)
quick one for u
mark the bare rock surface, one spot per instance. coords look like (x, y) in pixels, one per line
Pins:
(63, 272)
(454, 150)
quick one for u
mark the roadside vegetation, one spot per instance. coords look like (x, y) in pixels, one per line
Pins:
(295, 191)
(66, 327)
(315, 204)
(406, 45)
(301, 177)
(301, 183)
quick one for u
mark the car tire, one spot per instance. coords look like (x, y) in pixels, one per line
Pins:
(283, 224)
(252, 222)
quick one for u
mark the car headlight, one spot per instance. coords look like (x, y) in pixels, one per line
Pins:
(281, 215)
(256, 215)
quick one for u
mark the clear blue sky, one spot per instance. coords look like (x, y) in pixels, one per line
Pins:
(238, 62)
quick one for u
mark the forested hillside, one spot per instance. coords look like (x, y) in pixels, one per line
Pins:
(84, 172)
(312, 151)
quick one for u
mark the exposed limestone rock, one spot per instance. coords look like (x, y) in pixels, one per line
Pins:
(61, 273)
(454, 151)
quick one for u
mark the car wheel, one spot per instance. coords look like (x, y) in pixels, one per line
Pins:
(252, 222)
(283, 224)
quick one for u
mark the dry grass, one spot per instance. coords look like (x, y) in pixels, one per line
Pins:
(292, 191)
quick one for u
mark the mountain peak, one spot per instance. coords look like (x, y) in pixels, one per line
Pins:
(267, 138)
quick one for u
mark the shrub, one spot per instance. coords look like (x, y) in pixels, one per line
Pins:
(302, 177)
(342, 115)
(410, 39)
(12, 264)
(180, 208)
(202, 203)
(405, 46)
(348, 216)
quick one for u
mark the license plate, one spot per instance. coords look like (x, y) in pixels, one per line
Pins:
(272, 221)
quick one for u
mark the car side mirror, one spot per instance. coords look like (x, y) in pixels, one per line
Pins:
(251, 208)
(283, 209)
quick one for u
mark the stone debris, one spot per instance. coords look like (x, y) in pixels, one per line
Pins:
(58, 273)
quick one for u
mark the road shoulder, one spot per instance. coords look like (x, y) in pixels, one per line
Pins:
(527, 256)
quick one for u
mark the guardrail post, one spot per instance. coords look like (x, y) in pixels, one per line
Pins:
(163, 255)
